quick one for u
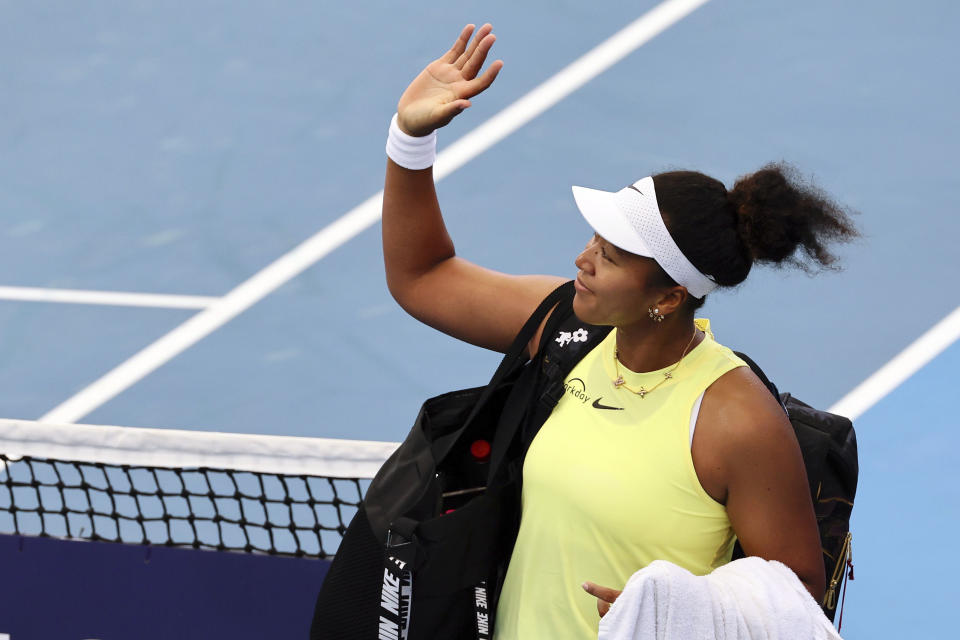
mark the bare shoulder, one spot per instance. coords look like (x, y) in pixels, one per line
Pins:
(741, 408)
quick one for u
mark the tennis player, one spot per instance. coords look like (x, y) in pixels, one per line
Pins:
(667, 446)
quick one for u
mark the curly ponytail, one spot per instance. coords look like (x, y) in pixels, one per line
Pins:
(778, 214)
(766, 218)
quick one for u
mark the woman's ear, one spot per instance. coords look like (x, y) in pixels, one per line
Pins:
(672, 300)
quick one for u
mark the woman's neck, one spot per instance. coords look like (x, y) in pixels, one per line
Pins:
(649, 346)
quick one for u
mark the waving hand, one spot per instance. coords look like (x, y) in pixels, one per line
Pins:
(424, 273)
(444, 88)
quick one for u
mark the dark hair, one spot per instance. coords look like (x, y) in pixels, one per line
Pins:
(769, 217)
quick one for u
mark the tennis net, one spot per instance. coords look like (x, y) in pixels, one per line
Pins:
(276, 495)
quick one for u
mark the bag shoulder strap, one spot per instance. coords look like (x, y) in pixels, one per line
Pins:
(515, 352)
(511, 361)
(565, 341)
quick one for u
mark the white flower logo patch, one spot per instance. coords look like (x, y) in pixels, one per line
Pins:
(566, 337)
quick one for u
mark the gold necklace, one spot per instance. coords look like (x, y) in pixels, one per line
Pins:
(619, 383)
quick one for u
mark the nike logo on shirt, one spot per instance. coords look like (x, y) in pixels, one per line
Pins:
(597, 405)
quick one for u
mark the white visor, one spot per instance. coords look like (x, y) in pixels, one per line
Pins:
(630, 219)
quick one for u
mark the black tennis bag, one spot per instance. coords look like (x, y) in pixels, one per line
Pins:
(426, 553)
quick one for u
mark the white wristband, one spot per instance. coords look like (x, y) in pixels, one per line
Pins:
(411, 152)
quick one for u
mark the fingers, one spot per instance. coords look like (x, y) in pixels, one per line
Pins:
(602, 607)
(479, 54)
(448, 111)
(467, 55)
(605, 596)
(459, 46)
(480, 84)
(604, 593)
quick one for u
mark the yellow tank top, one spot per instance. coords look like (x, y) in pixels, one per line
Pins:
(608, 487)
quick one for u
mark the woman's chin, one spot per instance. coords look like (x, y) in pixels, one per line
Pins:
(583, 311)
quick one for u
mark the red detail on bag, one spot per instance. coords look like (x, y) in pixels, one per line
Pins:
(480, 450)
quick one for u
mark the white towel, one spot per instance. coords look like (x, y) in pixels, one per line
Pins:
(747, 599)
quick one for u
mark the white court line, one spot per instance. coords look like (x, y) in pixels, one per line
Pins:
(366, 214)
(112, 298)
(569, 79)
(900, 368)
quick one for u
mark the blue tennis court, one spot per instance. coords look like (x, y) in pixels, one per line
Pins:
(172, 155)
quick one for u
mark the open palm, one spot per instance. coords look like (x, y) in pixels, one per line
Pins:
(444, 88)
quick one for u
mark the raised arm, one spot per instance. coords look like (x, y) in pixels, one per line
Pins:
(424, 274)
